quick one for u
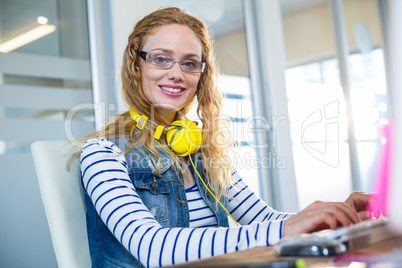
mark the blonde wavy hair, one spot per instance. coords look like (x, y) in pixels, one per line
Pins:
(216, 143)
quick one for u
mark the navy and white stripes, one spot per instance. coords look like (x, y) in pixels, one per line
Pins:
(200, 214)
(246, 207)
(106, 179)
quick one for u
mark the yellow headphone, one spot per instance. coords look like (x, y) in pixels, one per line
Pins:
(183, 137)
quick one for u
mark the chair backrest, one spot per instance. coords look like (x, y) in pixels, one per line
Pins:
(64, 203)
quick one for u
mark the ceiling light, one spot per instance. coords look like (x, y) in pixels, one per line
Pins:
(27, 38)
(42, 20)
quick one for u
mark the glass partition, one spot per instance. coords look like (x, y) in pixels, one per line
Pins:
(44, 75)
(368, 85)
(316, 102)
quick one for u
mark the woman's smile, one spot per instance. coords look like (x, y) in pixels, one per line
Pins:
(172, 90)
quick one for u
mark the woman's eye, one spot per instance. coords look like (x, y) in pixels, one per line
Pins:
(189, 63)
(160, 59)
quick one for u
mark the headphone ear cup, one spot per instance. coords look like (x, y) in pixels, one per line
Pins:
(184, 137)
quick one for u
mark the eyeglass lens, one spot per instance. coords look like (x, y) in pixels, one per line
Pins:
(164, 61)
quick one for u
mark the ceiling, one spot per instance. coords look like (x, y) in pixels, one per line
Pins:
(223, 16)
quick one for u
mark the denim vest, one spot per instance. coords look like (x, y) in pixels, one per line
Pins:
(164, 197)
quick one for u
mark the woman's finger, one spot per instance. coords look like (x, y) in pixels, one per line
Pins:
(339, 215)
(352, 214)
(345, 214)
(321, 215)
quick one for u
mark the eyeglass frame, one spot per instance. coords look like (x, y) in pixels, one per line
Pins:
(145, 56)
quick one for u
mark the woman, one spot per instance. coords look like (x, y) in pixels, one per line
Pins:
(149, 206)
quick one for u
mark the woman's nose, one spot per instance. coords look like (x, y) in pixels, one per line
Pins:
(176, 73)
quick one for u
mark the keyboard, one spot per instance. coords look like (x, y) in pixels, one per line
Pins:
(335, 242)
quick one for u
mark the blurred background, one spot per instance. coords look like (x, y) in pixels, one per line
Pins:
(305, 86)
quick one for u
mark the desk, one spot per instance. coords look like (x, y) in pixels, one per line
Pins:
(264, 255)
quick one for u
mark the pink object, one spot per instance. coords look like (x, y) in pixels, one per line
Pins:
(379, 203)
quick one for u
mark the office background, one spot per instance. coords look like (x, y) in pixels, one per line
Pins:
(305, 86)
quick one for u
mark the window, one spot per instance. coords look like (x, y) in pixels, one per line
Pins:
(319, 125)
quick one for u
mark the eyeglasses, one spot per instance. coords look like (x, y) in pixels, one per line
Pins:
(167, 62)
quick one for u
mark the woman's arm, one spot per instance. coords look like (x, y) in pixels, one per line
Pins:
(106, 180)
(246, 207)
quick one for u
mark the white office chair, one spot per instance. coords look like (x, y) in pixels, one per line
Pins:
(64, 203)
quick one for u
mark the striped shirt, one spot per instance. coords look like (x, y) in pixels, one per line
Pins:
(200, 214)
(106, 180)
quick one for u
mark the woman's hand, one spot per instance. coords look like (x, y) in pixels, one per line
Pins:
(359, 201)
(321, 215)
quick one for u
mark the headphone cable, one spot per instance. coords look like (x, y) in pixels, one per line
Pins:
(211, 191)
